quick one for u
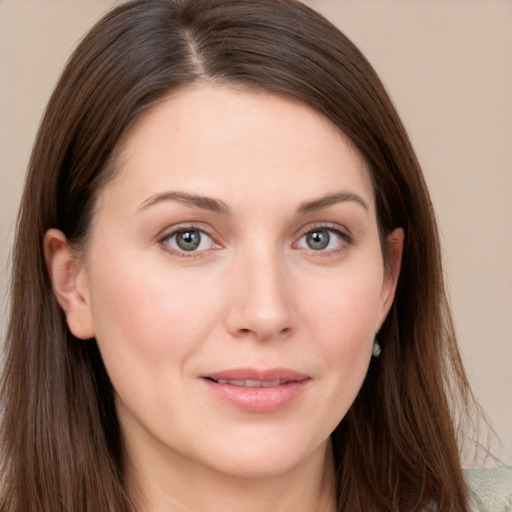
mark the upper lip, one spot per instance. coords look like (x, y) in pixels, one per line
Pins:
(263, 375)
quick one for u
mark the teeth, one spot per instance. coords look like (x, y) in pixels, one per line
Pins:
(236, 382)
(252, 383)
(271, 383)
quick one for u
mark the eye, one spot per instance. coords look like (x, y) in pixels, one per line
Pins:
(189, 240)
(323, 239)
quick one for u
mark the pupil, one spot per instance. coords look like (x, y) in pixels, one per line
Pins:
(188, 240)
(318, 240)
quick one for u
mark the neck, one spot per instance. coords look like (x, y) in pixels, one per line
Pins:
(183, 486)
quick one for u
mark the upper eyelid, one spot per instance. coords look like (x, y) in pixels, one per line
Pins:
(163, 241)
(332, 226)
(346, 238)
(183, 226)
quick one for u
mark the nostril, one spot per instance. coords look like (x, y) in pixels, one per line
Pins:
(260, 334)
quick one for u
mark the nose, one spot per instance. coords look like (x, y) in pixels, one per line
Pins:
(260, 304)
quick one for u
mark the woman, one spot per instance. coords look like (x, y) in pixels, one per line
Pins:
(221, 212)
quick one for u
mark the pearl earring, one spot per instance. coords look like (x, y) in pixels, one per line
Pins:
(376, 350)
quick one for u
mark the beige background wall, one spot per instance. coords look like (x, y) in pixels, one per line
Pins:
(448, 66)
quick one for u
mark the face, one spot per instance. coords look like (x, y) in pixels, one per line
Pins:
(234, 281)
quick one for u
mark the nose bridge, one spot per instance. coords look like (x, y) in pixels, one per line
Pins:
(261, 304)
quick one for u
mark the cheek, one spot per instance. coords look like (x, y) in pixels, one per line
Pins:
(146, 320)
(344, 317)
(346, 306)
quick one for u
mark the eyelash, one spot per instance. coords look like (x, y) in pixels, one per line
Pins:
(181, 253)
(346, 240)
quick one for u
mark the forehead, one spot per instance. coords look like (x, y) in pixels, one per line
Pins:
(207, 136)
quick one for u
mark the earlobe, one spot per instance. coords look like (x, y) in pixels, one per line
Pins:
(69, 283)
(395, 245)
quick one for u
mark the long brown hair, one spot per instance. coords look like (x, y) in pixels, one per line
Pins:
(61, 445)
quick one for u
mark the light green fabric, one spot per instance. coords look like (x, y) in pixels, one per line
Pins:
(490, 490)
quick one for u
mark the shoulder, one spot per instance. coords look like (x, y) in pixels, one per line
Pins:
(490, 490)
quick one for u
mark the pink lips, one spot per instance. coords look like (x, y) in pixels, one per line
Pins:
(257, 390)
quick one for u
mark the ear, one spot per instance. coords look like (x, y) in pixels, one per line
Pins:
(70, 283)
(394, 250)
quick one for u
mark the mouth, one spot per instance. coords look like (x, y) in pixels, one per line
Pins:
(249, 383)
(257, 390)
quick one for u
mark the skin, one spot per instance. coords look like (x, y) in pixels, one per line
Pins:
(253, 294)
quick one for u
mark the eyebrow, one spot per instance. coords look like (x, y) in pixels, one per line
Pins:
(218, 206)
(205, 203)
(329, 200)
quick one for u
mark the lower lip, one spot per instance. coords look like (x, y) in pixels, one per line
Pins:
(259, 399)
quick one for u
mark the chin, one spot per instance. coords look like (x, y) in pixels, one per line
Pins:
(265, 458)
